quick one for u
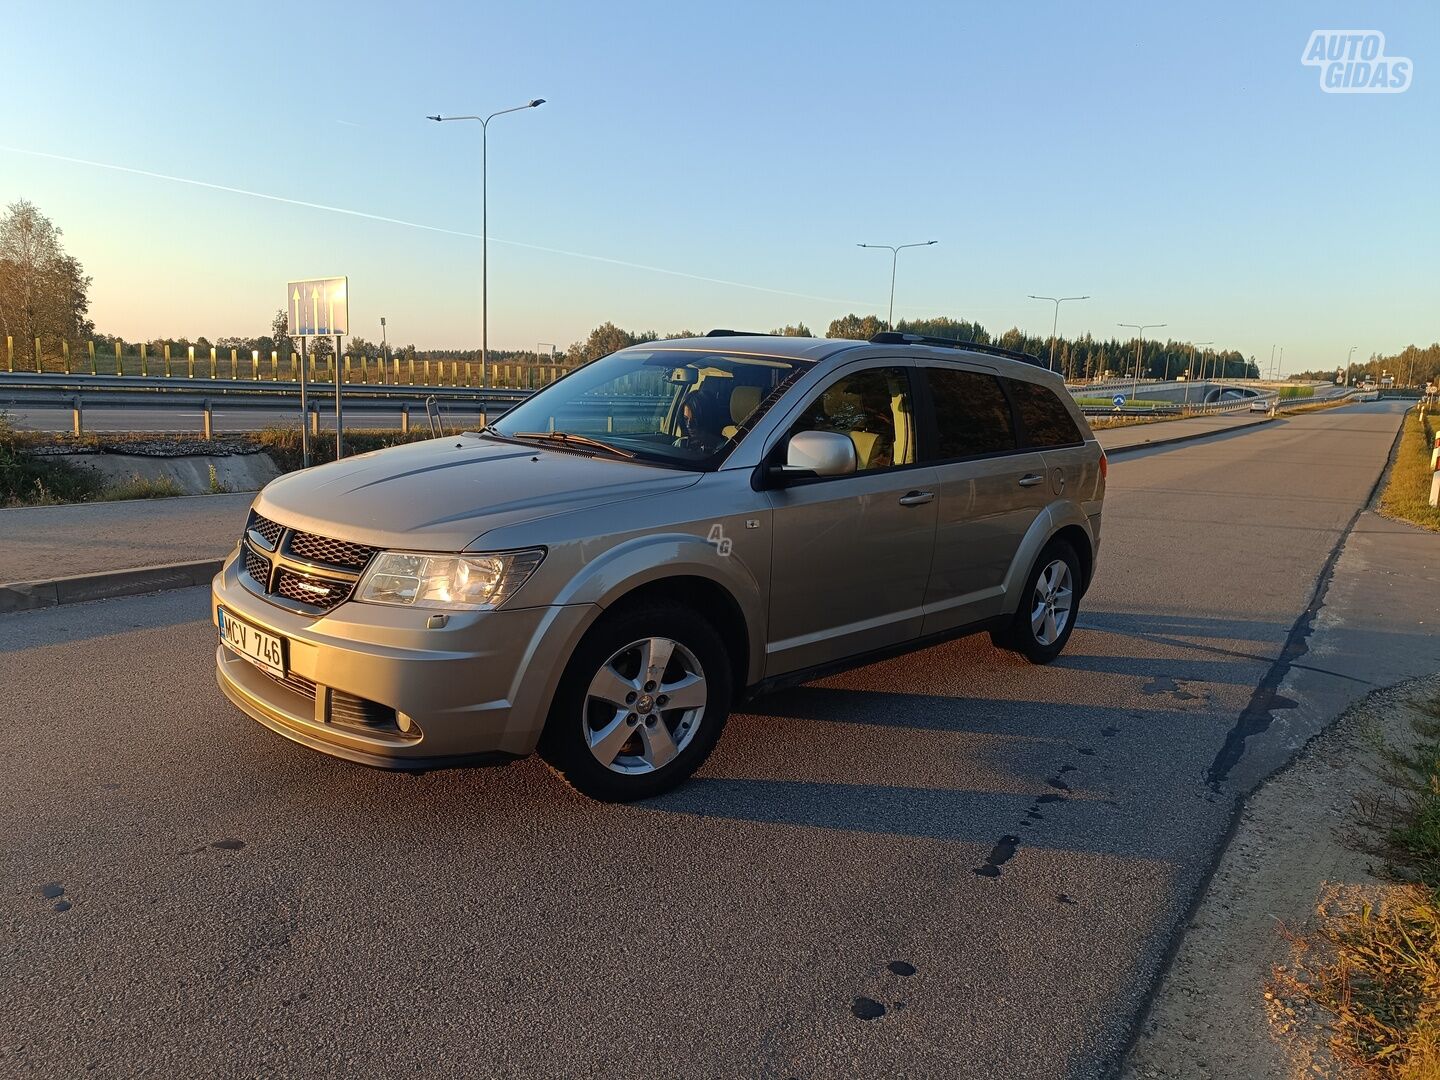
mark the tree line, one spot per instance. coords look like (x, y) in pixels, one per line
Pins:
(44, 293)
(1411, 366)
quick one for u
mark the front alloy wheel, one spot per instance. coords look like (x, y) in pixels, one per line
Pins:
(644, 706)
(641, 703)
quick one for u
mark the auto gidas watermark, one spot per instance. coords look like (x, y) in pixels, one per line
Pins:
(1355, 62)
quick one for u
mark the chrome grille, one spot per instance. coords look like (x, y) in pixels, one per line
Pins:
(322, 549)
(300, 571)
(268, 531)
(323, 593)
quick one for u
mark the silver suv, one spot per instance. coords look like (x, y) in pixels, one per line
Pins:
(668, 531)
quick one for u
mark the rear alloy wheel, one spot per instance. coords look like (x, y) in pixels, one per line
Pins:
(1048, 606)
(640, 705)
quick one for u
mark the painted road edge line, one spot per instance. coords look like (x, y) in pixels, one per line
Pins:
(32, 595)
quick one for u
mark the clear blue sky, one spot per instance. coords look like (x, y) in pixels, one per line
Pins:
(1177, 163)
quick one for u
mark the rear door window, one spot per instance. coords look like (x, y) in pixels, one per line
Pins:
(1043, 416)
(972, 417)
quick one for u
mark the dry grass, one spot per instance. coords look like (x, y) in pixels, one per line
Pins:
(1407, 492)
(1376, 969)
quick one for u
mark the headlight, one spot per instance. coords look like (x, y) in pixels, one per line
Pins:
(478, 582)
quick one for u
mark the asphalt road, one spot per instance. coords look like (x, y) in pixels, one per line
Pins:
(996, 855)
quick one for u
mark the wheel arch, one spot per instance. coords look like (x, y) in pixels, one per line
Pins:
(713, 602)
(1059, 521)
(1079, 541)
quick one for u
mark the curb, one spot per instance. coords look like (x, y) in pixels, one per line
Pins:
(31, 595)
(1153, 443)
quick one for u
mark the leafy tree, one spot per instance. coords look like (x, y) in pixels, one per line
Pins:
(856, 328)
(44, 292)
(603, 340)
(944, 327)
(798, 330)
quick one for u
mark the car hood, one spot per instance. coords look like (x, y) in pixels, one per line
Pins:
(444, 494)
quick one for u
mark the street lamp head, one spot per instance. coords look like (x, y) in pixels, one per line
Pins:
(435, 118)
(537, 102)
(929, 242)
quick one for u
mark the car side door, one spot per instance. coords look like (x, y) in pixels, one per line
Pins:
(851, 553)
(992, 488)
(1049, 422)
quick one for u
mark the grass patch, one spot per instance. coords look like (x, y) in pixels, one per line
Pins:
(140, 487)
(1407, 492)
(1288, 392)
(1376, 970)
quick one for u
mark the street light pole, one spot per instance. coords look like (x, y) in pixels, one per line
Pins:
(1190, 372)
(1055, 322)
(895, 250)
(1139, 350)
(384, 351)
(485, 226)
(1348, 357)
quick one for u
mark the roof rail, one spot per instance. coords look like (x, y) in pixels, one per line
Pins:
(891, 337)
(738, 333)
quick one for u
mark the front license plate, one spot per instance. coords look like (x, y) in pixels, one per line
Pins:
(266, 650)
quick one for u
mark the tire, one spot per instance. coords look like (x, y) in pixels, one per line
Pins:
(610, 734)
(1042, 643)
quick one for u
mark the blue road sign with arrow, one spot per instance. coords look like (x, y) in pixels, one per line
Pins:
(1119, 400)
(318, 307)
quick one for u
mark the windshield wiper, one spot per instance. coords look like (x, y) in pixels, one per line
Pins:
(567, 437)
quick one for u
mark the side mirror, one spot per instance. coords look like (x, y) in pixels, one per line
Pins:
(818, 453)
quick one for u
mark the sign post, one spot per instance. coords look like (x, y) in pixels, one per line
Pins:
(319, 307)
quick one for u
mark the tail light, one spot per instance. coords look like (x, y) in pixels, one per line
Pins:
(1104, 465)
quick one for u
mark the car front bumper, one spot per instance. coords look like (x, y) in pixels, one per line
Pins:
(376, 685)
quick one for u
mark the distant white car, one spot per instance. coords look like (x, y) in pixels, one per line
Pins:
(1259, 405)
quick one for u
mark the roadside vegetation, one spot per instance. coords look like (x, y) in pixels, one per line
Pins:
(27, 479)
(1375, 969)
(1407, 492)
(1108, 403)
(1287, 392)
(283, 443)
(32, 475)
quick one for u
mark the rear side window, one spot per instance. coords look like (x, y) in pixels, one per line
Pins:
(1046, 420)
(972, 417)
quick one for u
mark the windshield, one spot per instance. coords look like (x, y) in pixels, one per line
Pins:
(667, 406)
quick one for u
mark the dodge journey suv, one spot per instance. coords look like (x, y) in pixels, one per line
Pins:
(602, 573)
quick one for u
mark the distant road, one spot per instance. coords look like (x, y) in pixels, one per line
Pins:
(228, 419)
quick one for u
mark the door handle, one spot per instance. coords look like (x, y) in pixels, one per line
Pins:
(1031, 479)
(916, 498)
